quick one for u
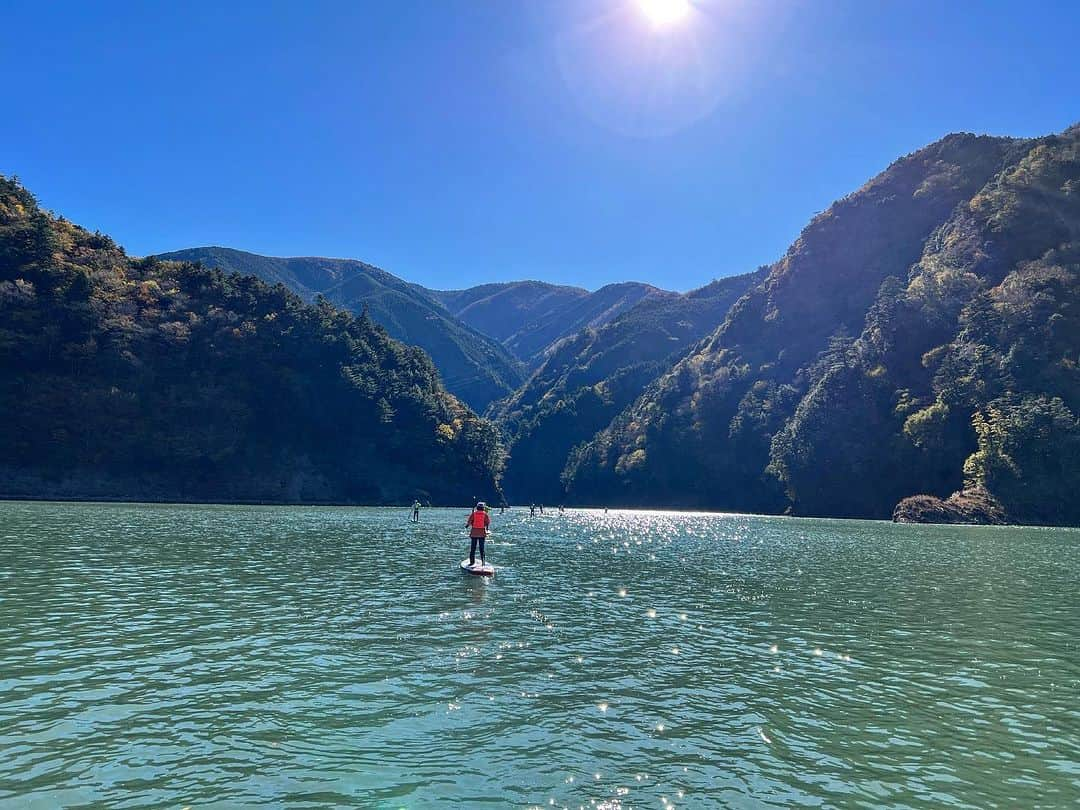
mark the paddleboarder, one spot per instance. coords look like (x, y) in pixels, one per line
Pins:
(478, 524)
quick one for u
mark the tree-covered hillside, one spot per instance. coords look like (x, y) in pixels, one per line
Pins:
(588, 379)
(151, 379)
(956, 268)
(529, 317)
(965, 375)
(473, 367)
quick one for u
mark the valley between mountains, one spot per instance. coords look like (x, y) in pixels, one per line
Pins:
(915, 355)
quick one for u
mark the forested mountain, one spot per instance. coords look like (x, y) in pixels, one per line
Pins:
(920, 337)
(529, 317)
(915, 353)
(151, 379)
(588, 379)
(474, 367)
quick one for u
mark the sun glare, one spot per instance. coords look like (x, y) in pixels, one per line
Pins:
(664, 13)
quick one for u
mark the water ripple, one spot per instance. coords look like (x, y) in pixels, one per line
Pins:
(197, 656)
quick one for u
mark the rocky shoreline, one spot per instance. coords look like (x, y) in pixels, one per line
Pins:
(976, 506)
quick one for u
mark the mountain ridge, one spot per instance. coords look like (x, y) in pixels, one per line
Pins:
(473, 366)
(530, 317)
(738, 390)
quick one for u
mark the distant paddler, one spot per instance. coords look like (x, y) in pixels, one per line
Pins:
(416, 511)
(478, 524)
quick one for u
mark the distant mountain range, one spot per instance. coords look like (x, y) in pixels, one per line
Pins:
(482, 339)
(529, 317)
(915, 354)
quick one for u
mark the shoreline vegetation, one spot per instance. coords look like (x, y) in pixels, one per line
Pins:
(913, 356)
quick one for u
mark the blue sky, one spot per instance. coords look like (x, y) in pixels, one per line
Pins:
(456, 142)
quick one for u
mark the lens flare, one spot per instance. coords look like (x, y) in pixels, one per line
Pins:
(652, 68)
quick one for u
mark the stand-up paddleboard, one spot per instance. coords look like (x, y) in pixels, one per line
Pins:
(478, 569)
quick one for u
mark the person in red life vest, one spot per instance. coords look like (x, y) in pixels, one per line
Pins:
(478, 524)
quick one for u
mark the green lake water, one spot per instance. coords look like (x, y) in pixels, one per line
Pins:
(219, 656)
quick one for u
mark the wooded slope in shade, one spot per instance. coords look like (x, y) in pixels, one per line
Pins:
(473, 366)
(530, 317)
(150, 379)
(956, 269)
(588, 379)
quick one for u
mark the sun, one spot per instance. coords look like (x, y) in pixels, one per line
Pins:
(664, 13)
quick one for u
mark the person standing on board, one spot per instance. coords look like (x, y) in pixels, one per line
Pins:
(478, 524)
(416, 512)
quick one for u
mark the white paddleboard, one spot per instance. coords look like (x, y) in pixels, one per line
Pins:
(478, 569)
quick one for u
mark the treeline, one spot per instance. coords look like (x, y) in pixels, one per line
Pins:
(127, 378)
